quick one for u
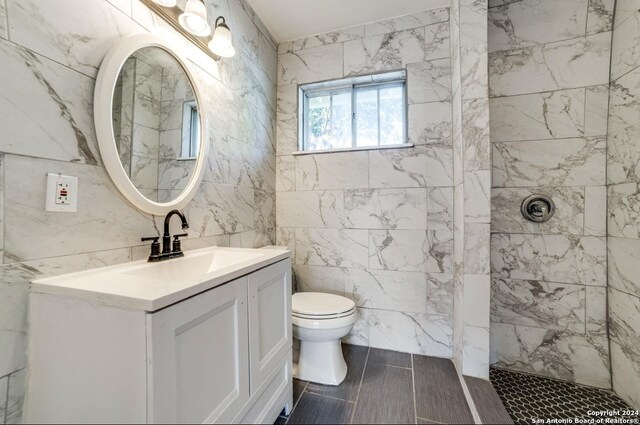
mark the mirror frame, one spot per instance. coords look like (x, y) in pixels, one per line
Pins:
(103, 116)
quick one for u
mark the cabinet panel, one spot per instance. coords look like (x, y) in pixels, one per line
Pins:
(199, 357)
(269, 319)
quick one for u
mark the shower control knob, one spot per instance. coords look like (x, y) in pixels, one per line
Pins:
(537, 208)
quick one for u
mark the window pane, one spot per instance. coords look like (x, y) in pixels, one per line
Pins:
(318, 122)
(391, 116)
(341, 120)
(367, 117)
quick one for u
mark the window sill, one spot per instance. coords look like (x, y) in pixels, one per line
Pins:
(358, 149)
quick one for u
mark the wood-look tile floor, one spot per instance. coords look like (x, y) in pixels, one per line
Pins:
(383, 387)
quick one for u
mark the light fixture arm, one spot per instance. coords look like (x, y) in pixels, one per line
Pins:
(223, 23)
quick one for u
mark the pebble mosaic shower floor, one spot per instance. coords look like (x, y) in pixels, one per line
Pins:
(528, 398)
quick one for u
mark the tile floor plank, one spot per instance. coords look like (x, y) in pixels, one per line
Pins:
(356, 357)
(386, 396)
(487, 401)
(439, 395)
(316, 409)
(298, 388)
(391, 358)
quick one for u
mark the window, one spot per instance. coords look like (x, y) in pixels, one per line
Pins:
(353, 113)
(190, 131)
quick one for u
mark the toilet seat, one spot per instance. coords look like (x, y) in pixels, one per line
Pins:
(320, 305)
(315, 310)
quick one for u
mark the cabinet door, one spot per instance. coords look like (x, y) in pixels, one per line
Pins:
(269, 320)
(199, 357)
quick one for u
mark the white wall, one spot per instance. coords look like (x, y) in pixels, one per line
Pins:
(549, 75)
(623, 179)
(50, 52)
(376, 226)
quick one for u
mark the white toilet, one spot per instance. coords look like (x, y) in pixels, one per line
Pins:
(319, 322)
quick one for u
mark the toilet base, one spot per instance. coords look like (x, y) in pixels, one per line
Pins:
(321, 362)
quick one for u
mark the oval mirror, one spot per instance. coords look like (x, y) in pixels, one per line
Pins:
(150, 125)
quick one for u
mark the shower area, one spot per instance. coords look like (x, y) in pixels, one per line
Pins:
(564, 88)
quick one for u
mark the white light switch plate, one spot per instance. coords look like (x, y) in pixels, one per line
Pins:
(62, 193)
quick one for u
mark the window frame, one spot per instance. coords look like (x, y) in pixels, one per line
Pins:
(191, 129)
(352, 85)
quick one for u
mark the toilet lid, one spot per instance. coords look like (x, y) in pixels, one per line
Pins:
(320, 304)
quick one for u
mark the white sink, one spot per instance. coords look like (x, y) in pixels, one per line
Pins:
(193, 264)
(151, 286)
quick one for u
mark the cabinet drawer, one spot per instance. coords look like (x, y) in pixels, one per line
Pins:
(269, 320)
(198, 369)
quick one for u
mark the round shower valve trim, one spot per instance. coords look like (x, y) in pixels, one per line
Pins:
(537, 208)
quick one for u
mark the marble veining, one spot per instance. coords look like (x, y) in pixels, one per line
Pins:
(624, 100)
(429, 123)
(56, 110)
(311, 209)
(344, 170)
(421, 166)
(526, 23)
(566, 162)
(624, 210)
(385, 208)
(385, 52)
(558, 354)
(550, 115)
(36, 26)
(553, 258)
(476, 134)
(566, 64)
(429, 81)
(351, 33)
(332, 247)
(625, 320)
(625, 53)
(387, 290)
(624, 257)
(415, 20)
(320, 279)
(410, 332)
(541, 304)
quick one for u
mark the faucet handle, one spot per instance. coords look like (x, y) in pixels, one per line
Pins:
(177, 245)
(155, 245)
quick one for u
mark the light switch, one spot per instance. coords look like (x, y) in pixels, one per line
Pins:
(62, 193)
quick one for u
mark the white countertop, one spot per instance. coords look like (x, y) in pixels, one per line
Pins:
(146, 286)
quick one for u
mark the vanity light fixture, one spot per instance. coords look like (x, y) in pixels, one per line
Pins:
(191, 21)
(194, 18)
(166, 3)
(221, 44)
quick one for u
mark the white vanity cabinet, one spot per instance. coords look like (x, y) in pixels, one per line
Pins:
(220, 356)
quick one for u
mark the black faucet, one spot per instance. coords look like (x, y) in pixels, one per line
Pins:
(169, 250)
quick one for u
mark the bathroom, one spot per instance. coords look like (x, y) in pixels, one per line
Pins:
(449, 188)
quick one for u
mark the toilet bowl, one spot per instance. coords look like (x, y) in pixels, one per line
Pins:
(319, 322)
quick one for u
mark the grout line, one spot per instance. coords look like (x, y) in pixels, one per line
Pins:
(6, 402)
(413, 387)
(429, 420)
(364, 369)
(391, 365)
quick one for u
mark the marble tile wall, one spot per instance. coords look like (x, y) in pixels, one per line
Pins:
(375, 226)
(50, 53)
(472, 180)
(549, 75)
(623, 179)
